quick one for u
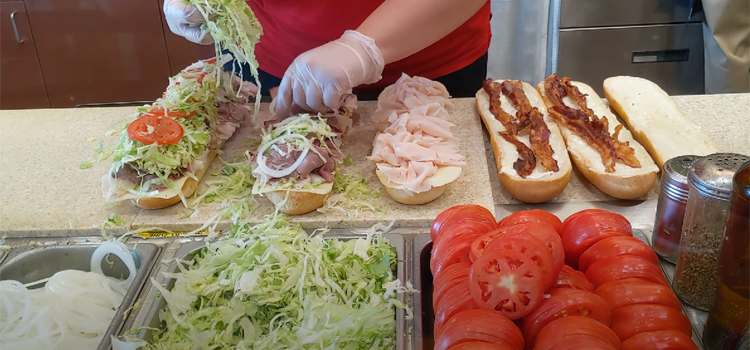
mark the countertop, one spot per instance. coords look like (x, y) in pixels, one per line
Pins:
(44, 191)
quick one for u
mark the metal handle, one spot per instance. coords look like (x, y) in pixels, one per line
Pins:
(15, 28)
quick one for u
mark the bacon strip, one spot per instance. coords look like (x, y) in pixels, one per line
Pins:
(526, 161)
(584, 123)
(529, 120)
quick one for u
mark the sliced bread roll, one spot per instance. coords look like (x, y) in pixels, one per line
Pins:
(625, 182)
(541, 185)
(656, 120)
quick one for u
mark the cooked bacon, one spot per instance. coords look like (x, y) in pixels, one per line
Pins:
(625, 153)
(514, 90)
(526, 161)
(493, 90)
(539, 138)
(577, 121)
(584, 123)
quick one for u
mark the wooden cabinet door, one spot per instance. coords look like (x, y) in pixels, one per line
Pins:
(98, 51)
(182, 52)
(21, 82)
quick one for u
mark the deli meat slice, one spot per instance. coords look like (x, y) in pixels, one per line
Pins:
(410, 93)
(412, 148)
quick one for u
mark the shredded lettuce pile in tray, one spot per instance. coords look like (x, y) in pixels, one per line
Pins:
(273, 286)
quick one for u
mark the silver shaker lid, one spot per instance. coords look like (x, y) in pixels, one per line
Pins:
(674, 178)
(712, 175)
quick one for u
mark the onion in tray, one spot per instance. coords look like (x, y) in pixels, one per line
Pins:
(72, 310)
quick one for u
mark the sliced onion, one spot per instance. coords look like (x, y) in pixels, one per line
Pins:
(286, 171)
(120, 250)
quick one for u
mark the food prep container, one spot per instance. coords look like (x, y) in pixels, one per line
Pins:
(30, 260)
(424, 318)
(146, 317)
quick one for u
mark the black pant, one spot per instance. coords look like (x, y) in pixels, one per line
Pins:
(462, 83)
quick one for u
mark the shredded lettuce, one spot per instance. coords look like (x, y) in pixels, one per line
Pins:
(113, 221)
(351, 194)
(348, 161)
(273, 286)
(232, 187)
(234, 27)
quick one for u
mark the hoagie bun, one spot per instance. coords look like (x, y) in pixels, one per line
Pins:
(609, 173)
(540, 184)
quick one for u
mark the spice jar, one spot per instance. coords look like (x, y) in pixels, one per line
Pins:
(710, 186)
(728, 322)
(670, 208)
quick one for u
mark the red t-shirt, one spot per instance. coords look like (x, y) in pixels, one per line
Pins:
(291, 27)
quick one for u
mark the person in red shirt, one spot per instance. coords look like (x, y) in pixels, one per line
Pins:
(316, 51)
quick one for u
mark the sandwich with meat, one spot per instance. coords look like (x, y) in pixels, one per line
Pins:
(532, 163)
(602, 149)
(295, 164)
(168, 145)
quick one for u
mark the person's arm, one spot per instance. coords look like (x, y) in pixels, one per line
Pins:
(317, 79)
(425, 21)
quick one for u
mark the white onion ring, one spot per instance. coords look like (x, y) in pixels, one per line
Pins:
(120, 250)
(286, 171)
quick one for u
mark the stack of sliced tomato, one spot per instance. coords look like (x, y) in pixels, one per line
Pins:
(585, 283)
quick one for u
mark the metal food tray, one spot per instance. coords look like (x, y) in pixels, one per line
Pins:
(32, 259)
(424, 319)
(147, 318)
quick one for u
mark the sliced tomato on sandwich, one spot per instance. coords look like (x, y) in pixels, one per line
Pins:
(151, 129)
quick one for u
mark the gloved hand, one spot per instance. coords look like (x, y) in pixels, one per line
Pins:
(184, 20)
(317, 79)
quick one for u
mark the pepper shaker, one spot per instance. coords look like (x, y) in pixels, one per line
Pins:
(670, 208)
(710, 187)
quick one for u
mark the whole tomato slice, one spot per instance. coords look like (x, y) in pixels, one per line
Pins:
(588, 229)
(570, 219)
(563, 330)
(531, 247)
(475, 212)
(614, 246)
(447, 279)
(624, 266)
(564, 302)
(570, 278)
(630, 320)
(478, 345)
(479, 325)
(151, 129)
(480, 244)
(453, 246)
(535, 216)
(507, 281)
(548, 237)
(658, 340)
(631, 291)
(456, 299)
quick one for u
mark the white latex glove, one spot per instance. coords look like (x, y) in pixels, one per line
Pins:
(184, 20)
(317, 79)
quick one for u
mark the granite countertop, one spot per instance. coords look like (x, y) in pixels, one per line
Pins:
(44, 191)
(42, 151)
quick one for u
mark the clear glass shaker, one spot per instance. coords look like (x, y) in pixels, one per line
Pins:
(729, 319)
(710, 181)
